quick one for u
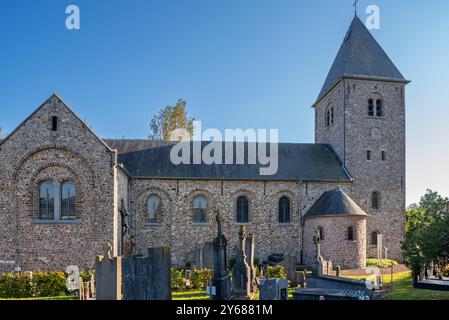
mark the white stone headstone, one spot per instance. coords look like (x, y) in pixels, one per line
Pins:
(73, 276)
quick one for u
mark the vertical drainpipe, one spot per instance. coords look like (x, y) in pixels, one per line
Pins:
(131, 215)
(17, 242)
(301, 222)
(344, 122)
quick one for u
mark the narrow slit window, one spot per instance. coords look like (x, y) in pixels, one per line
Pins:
(374, 239)
(54, 123)
(371, 107)
(379, 110)
(368, 155)
(375, 200)
(350, 234)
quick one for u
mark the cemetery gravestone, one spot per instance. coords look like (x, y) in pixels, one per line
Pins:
(108, 276)
(289, 265)
(273, 289)
(147, 278)
(72, 281)
(249, 250)
(220, 281)
(241, 273)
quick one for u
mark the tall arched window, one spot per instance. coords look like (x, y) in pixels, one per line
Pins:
(46, 200)
(375, 107)
(154, 203)
(68, 193)
(242, 210)
(350, 234)
(284, 210)
(199, 209)
(329, 116)
(375, 200)
(379, 108)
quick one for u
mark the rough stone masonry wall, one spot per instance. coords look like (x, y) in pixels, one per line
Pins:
(177, 230)
(335, 245)
(34, 153)
(361, 133)
(387, 177)
(334, 134)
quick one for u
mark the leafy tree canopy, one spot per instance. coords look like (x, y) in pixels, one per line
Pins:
(169, 120)
(427, 232)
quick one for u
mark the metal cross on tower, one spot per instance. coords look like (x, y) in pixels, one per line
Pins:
(355, 6)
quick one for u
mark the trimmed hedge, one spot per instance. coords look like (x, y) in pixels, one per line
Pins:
(196, 279)
(275, 272)
(200, 278)
(37, 284)
(384, 263)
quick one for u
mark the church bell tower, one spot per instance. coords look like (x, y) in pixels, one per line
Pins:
(360, 112)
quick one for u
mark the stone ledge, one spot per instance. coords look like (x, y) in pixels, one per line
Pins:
(55, 221)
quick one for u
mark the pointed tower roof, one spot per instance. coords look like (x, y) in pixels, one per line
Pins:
(360, 56)
(332, 203)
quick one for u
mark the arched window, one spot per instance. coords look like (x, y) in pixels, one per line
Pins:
(46, 200)
(154, 203)
(375, 200)
(68, 193)
(384, 155)
(374, 238)
(242, 210)
(321, 233)
(199, 209)
(375, 107)
(329, 116)
(379, 108)
(284, 210)
(350, 234)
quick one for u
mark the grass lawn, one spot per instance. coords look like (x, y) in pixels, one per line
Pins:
(403, 288)
(190, 295)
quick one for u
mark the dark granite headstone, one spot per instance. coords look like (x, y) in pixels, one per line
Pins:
(220, 280)
(147, 278)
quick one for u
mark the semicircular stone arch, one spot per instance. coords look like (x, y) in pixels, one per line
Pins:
(48, 148)
(57, 165)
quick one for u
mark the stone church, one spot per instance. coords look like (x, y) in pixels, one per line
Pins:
(63, 189)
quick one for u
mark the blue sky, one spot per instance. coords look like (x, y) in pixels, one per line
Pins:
(237, 63)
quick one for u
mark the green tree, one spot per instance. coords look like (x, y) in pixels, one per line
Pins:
(168, 120)
(427, 232)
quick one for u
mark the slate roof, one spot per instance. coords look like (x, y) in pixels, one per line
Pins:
(334, 202)
(297, 162)
(360, 55)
